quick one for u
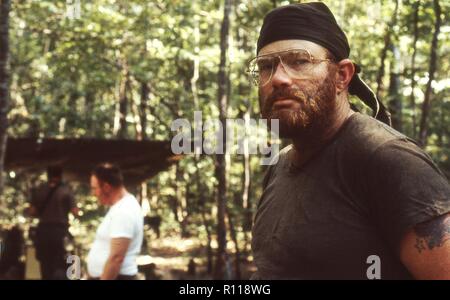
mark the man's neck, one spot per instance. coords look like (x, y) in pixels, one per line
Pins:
(304, 149)
(117, 195)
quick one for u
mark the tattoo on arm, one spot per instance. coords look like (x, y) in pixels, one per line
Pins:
(432, 234)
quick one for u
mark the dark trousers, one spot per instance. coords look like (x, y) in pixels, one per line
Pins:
(50, 250)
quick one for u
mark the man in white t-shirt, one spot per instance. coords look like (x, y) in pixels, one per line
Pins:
(119, 237)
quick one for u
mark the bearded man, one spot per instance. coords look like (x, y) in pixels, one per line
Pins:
(350, 198)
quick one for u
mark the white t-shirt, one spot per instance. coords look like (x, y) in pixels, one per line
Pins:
(123, 220)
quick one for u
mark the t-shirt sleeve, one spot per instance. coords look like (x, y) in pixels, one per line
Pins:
(122, 224)
(405, 188)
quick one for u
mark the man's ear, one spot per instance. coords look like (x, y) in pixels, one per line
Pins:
(344, 74)
(106, 187)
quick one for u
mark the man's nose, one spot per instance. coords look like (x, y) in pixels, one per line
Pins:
(280, 77)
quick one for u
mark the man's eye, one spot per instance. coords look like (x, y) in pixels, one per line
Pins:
(264, 65)
(299, 62)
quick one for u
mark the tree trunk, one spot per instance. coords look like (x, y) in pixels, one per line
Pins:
(275, 4)
(394, 96)
(243, 89)
(145, 91)
(246, 203)
(200, 187)
(180, 205)
(89, 101)
(5, 7)
(136, 116)
(441, 129)
(196, 61)
(202, 207)
(123, 102)
(233, 234)
(380, 74)
(387, 43)
(426, 106)
(412, 98)
(209, 250)
(220, 158)
(71, 123)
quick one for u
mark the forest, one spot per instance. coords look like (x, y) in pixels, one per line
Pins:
(125, 70)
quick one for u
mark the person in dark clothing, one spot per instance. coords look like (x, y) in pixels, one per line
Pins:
(11, 249)
(51, 203)
(350, 198)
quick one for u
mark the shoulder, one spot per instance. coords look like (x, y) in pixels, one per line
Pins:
(363, 136)
(128, 205)
(365, 132)
(376, 144)
(405, 158)
(356, 150)
(283, 156)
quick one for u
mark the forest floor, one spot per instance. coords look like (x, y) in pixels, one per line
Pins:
(168, 258)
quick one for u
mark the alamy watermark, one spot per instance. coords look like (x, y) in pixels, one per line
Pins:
(374, 270)
(74, 270)
(240, 136)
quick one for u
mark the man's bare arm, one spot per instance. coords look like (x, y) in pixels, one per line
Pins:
(119, 247)
(425, 250)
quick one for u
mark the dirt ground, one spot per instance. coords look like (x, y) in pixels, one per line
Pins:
(169, 257)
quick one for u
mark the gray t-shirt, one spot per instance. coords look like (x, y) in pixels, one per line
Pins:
(57, 208)
(355, 198)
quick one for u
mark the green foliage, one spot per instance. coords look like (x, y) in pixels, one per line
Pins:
(67, 75)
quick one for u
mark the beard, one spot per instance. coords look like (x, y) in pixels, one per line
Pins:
(317, 106)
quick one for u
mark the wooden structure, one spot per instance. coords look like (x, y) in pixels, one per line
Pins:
(139, 160)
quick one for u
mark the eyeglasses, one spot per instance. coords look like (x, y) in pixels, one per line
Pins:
(296, 62)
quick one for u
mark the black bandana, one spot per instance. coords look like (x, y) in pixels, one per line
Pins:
(315, 22)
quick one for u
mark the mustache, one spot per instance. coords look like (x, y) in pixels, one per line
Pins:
(286, 93)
